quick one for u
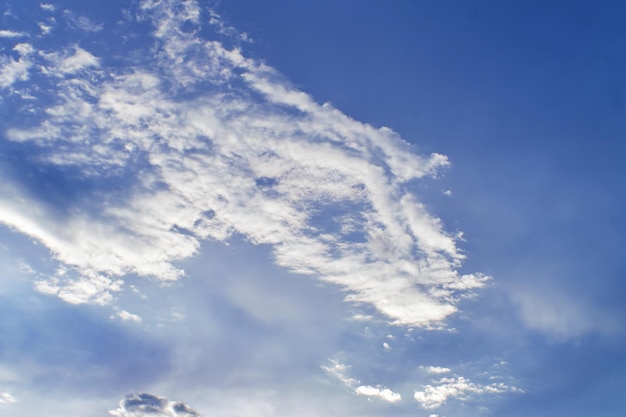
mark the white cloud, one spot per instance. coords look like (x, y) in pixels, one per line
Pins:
(434, 396)
(47, 7)
(339, 371)
(126, 316)
(45, 29)
(70, 62)
(384, 394)
(261, 160)
(6, 398)
(148, 405)
(11, 34)
(436, 369)
(12, 70)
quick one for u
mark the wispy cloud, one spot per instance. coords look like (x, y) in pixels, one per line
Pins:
(81, 22)
(221, 146)
(71, 62)
(12, 70)
(47, 7)
(434, 395)
(436, 369)
(11, 34)
(384, 394)
(560, 316)
(126, 316)
(339, 371)
(6, 398)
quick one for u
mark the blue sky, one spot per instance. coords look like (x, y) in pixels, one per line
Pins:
(306, 208)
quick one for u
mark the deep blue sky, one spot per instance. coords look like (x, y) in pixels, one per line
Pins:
(526, 99)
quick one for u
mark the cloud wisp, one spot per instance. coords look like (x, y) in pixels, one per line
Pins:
(339, 371)
(437, 393)
(205, 143)
(6, 398)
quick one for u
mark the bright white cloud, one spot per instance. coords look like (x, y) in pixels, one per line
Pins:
(339, 371)
(47, 7)
(6, 398)
(80, 59)
(11, 34)
(12, 70)
(126, 316)
(435, 395)
(384, 394)
(148, 405)
(261, 160)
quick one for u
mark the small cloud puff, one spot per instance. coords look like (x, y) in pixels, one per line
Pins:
(81, 22)
(11, 34)
(383, 393)
(435, 369)
(144, 405)
(6, 398)
(126, 316)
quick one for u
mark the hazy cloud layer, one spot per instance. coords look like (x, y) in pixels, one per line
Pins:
(211, 144)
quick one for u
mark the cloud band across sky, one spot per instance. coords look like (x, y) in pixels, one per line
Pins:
(200, 142)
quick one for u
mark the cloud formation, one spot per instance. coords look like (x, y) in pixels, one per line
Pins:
(205, 143)
(6, 398)
(13, 70)
(148, 405)
(339, 371)
(4, 33)
(435, 369)
(435, 395)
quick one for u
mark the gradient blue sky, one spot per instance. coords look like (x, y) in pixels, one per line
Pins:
(310, 166)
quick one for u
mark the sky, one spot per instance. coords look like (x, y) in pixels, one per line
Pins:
(259, 209)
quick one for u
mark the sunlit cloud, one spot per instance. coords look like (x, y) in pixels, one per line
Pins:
(339, 370)
(223, 146)
(434, 395)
